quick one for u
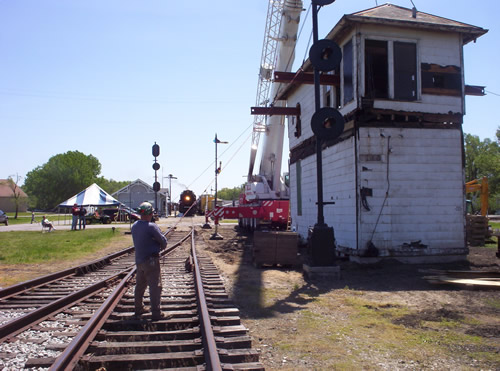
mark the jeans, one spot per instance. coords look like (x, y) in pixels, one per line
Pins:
(148, 274)
(73, 222)
(82, 221)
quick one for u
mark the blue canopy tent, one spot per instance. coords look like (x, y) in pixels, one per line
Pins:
(91, 196)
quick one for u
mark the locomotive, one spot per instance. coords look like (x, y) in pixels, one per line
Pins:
(187, 203)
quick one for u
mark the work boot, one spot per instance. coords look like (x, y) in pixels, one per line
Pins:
(160, 316)
(139, 312)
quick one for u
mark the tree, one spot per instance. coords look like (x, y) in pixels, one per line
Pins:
(482, 158)
(16, 192)
(111, 186)
(60, 178)
(230, 193)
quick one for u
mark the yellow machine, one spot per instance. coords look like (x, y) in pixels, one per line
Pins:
(206, 203)
(482, 188)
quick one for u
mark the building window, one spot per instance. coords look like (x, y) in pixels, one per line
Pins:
(331, 94)
(378, 81)
(347, 59)
(297, 123)
(376, 69)
(328, 98)
(441, 80)
(405, 71)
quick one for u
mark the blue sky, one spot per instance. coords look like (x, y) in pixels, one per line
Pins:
(110, 78)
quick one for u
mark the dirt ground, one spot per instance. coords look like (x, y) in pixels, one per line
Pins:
(382, 317)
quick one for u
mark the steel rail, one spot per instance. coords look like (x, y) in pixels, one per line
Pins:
(212, 359)
(22, 323)
(54, 277)
(68, 359)
(74, 351)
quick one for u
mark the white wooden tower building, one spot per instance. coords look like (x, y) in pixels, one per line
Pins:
(396, 174)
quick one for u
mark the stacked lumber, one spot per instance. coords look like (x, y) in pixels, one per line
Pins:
(476, 230)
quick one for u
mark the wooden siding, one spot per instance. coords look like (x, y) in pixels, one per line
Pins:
(425, 188)
(425, 199)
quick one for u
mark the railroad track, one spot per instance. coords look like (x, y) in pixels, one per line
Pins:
(46, 289)
(101, 331)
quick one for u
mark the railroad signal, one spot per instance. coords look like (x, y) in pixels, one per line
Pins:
(326, 123)
(156, 167)
(156, 150)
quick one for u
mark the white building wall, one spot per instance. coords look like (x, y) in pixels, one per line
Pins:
(339, 186)
(308, 218)
(424, 181)
(305, 96)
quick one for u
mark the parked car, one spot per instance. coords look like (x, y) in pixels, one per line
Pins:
(4, 218)
(113, 214)
(96, 218)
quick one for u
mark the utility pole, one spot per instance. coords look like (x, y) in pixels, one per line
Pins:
(170, 177)
(216, 236)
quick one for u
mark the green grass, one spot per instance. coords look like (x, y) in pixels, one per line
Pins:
(222, 221)
(493, 303)
(25, 218)
(37, 247)
(433, 336)
(494, 226)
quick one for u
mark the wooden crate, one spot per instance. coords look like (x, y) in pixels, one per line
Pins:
(270, 247)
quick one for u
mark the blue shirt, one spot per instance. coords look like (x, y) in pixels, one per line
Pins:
(148, 240)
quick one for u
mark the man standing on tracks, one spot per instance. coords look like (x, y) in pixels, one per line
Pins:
(148, 241)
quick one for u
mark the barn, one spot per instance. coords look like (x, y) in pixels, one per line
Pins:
(396, 174)
(8, 199)
(139, 191)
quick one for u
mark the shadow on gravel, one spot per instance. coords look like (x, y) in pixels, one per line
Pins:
(389, 276)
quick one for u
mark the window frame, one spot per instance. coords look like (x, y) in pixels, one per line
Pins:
(390, 55)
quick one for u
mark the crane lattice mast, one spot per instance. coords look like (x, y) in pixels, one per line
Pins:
(267, 66)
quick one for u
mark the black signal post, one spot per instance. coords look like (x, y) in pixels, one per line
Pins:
(156, 167)
(326, 123)
(216, 235)
(170, 177)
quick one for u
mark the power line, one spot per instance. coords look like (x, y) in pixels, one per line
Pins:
(72, 96)
(222, 154)
(490, 92)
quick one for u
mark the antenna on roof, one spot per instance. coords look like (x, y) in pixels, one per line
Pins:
(414, 10)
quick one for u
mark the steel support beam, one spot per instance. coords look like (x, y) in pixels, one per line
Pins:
(270, 111)
(305, 78)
